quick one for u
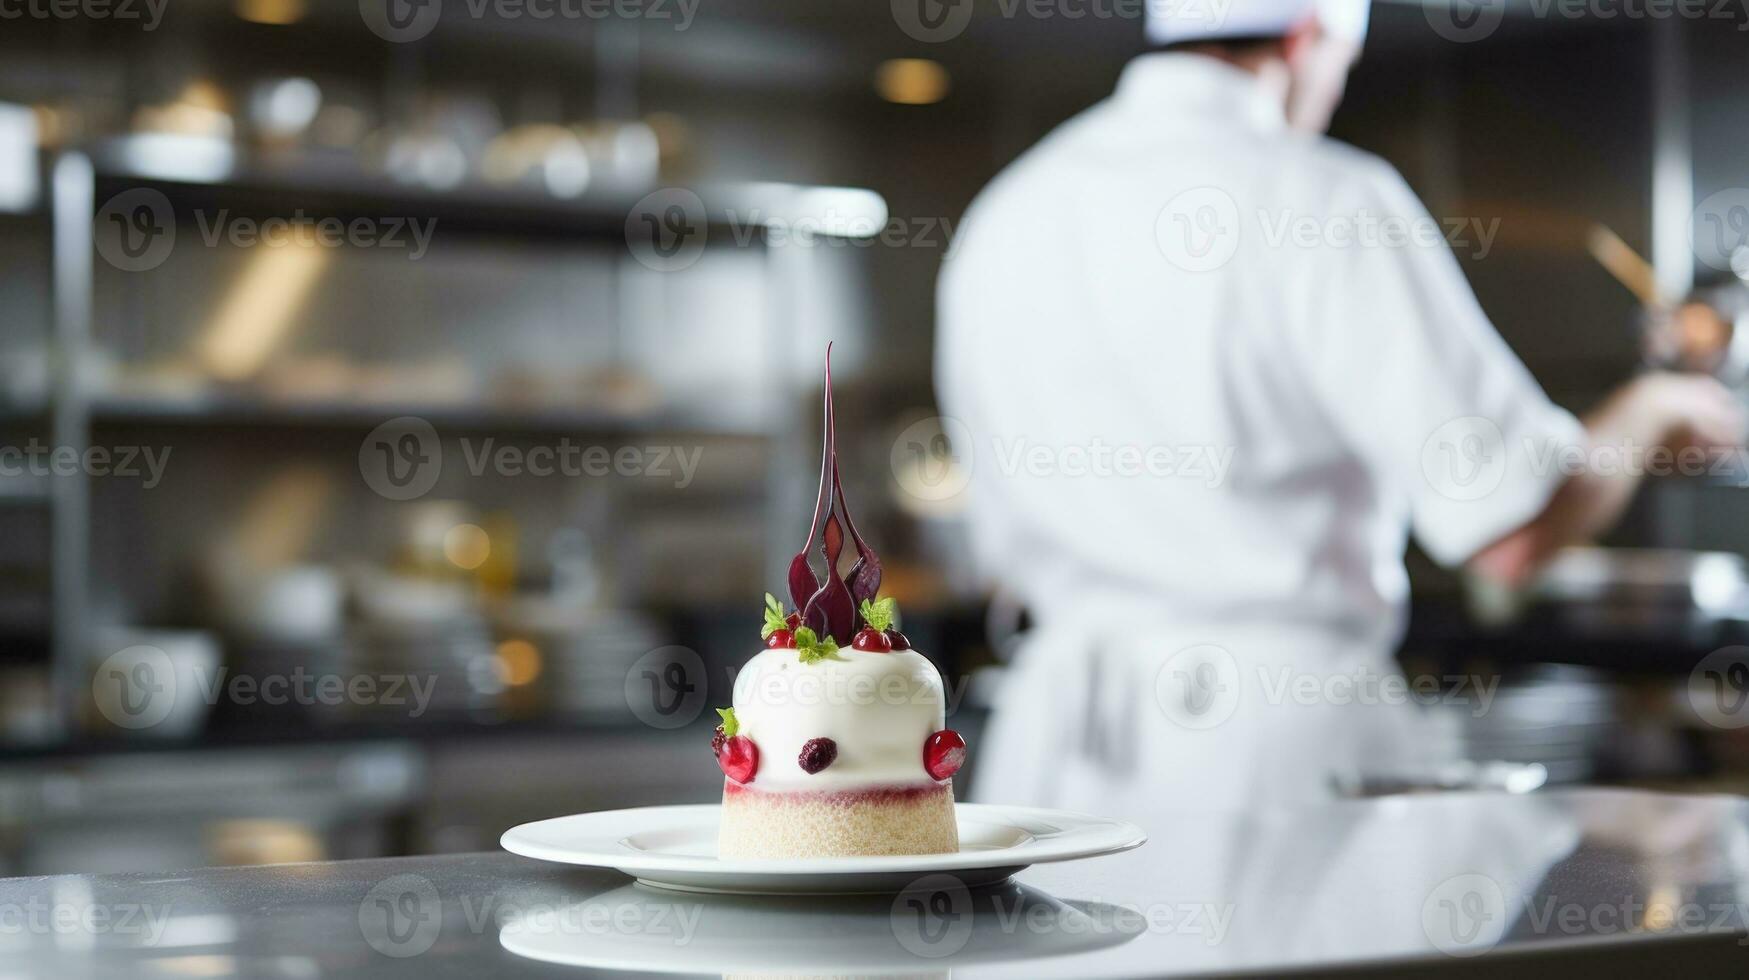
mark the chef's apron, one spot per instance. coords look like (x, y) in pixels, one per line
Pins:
(1122, 707)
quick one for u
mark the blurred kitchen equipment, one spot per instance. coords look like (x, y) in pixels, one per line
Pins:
(425, 629)
(18, 165)
(543, 157)
(1627, 266)
(1707, 333)
(27, 708)
(582, 655)
(1562, 718)
(172, 707)
(293, 604)
(423, 670)
(281, 109)
(1461, 776)
(624, 155)
(1642, 590)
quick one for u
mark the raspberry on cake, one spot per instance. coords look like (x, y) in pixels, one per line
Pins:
(836, 742)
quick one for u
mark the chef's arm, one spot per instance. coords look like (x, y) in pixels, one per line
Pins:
(1676, 411)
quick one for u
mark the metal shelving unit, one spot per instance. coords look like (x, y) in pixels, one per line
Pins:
(75, 180)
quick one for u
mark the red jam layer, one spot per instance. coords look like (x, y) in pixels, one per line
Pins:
(887, 795)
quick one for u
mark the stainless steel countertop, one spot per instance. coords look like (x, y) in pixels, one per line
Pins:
(1439, 883)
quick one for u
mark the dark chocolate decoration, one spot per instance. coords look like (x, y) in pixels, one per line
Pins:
(832, 608)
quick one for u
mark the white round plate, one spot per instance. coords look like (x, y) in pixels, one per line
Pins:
(676, 847)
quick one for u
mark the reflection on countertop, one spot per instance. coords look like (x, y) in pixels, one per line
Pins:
(1576, 878)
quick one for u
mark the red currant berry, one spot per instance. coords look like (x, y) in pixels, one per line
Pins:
(871, 640)
(793, 620)
(717, 740)
(780, 640)
(739, 759)
(899, 640)
(944, 753)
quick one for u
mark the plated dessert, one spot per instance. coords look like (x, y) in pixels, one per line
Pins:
(836, 743)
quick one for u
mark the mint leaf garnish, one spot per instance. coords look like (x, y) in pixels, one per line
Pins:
(881, 614)
(730, 725)
(812, 648)
(774, 617)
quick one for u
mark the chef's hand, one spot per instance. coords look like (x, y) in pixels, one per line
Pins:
(1660, 410)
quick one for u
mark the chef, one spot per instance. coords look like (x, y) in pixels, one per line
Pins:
(1208, 369)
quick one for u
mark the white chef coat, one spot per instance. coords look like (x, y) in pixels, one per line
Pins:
(1211, 372)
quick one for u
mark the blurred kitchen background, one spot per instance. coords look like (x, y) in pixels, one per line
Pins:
(574, 630)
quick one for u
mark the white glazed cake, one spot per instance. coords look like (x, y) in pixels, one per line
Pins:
(835, 744)
(874, 795)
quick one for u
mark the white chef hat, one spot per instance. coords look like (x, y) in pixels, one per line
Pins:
(1171, 21)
